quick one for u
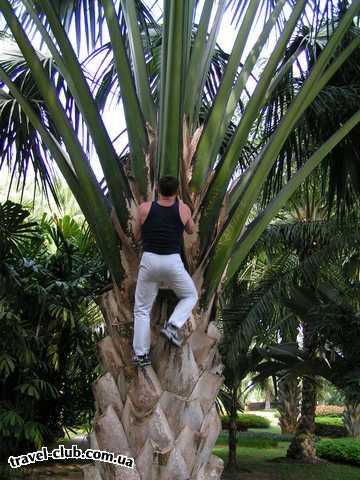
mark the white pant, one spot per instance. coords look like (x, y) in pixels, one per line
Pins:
(153, 270)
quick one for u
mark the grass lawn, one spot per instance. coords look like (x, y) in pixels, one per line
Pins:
(254, 461)
(255, 464)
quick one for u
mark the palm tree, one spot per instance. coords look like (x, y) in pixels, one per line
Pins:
(231, 394)
(334, 313)
(177, 113)
(297, 250)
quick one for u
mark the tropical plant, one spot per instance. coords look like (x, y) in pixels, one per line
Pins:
(245, 421)
(232, 394)
(49, 325)
(330, 427)
(344, 450)
(296, 253)
(165, 79)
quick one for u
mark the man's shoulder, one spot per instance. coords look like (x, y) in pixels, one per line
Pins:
(144, 209)
(184, 207)
(185, 212)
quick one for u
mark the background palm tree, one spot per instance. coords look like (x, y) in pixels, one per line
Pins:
(55, 103)
(301, 249)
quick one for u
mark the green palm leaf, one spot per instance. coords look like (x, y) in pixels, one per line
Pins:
(14, 230)
(173, 82)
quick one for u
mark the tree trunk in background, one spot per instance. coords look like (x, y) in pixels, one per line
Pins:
(232, 443)
(352, 419)
(232, 431)
(289, 396)
(164, 415)
(302, 446)
(268, 397)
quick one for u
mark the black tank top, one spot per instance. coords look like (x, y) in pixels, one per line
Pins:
(162, 230)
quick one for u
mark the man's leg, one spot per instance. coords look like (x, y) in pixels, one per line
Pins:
(145, 294)
(182, 284)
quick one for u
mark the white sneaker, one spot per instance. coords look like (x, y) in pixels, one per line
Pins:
(172, 333)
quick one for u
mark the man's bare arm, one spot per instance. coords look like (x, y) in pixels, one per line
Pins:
(140, 217)
(186, 217)
(190, 226)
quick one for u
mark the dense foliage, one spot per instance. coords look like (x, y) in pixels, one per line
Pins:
(245, 421)
(330, 427)
(49, 325)
(345, 450)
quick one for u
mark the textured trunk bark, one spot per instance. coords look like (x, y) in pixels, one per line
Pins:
(288, 393)
(352, 419)
(232, 431)
(163, 416)
(232, 444)
(302, 446)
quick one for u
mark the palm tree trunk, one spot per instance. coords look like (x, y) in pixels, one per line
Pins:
(352, 419)
(232, 431)
(164, 415)
(288, 393)
(303, 445)
(268, 396)
(232, 443)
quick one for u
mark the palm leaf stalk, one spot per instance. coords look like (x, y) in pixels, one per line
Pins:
(170, 117)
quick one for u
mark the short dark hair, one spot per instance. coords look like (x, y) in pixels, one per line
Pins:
(168, 185)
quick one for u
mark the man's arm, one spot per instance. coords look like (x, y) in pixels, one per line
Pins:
(140, 217)
(190, 226)
(189, 223)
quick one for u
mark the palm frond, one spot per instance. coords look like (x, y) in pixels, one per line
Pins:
(336, 101)
(294, 252)
(85, 17)
(14, 230)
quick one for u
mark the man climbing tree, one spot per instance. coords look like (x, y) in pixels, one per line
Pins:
(160, 224)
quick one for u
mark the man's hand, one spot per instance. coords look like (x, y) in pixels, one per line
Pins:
(187, 218)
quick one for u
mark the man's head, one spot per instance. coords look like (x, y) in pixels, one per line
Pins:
(168, 185)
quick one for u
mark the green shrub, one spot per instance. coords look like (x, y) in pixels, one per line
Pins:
(253, 421)
(329, 411)
(330, 427)
(346, 450)
(245, 421)
(334, 431)
(338, 421)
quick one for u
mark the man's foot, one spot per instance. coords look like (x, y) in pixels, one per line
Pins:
(141, 360)
(172, 333)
